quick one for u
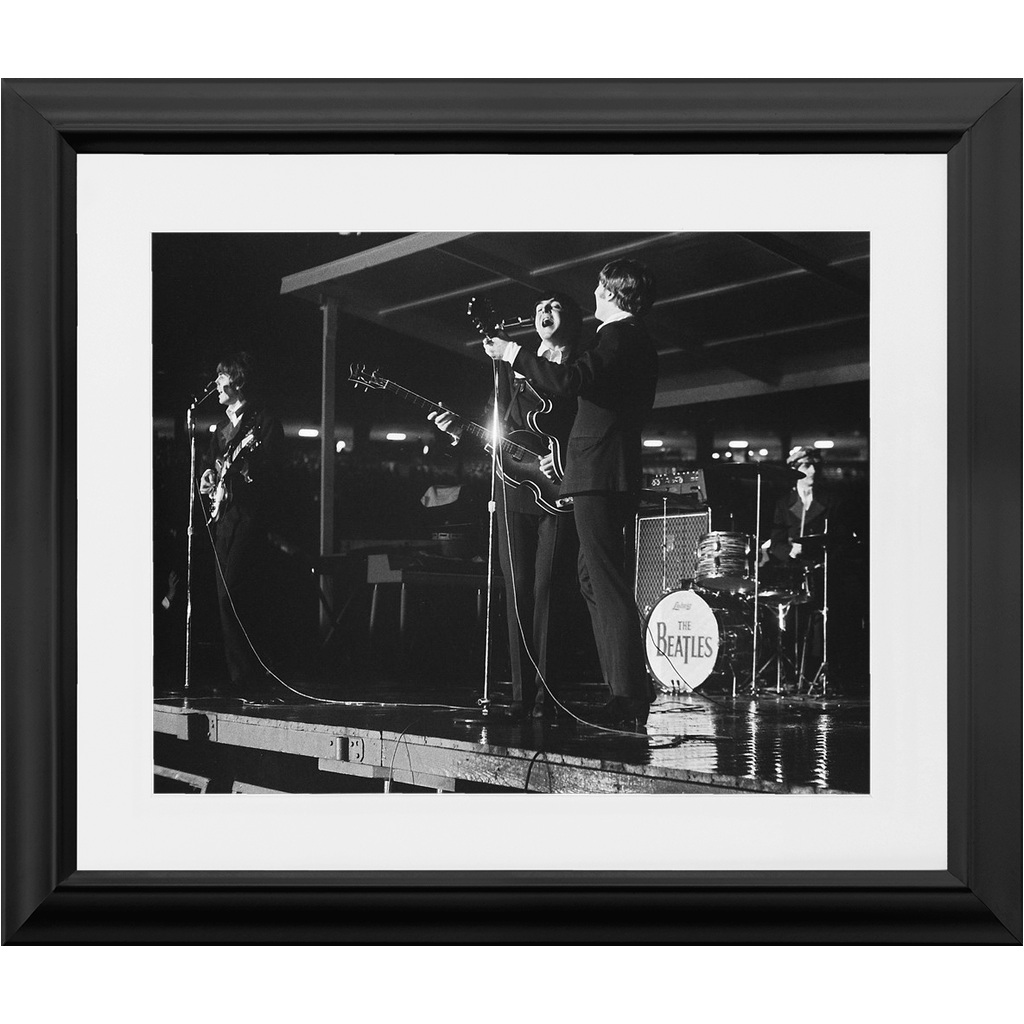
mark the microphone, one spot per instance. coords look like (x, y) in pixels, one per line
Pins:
(206, 392)
(516, 321)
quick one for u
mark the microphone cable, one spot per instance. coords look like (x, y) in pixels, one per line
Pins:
(273, 675)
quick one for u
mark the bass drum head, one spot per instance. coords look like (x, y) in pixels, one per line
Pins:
(681, 640)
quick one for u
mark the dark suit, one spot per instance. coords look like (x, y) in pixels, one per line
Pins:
(791, 521)
(536, 550)
(615, 382)
(240, 540)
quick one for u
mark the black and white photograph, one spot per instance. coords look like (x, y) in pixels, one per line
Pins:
(551, 512)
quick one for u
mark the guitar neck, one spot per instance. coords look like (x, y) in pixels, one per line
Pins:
(479, 432)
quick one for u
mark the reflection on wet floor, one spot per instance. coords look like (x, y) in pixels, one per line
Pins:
(791, 741)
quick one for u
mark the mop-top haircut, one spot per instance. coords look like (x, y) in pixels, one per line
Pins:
(631, 285)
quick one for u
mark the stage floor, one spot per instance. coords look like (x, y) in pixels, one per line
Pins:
(381, 736)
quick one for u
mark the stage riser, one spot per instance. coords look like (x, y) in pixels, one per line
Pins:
(425, 762)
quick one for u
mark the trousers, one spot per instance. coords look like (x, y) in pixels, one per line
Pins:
(606, 582)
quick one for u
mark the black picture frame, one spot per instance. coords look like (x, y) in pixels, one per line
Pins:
(976, 123)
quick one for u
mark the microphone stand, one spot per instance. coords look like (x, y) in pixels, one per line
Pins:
(191, 428)
(492, 508)
(484, 701)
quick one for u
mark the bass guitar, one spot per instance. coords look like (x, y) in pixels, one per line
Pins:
(488, 324)
(520, 451)
(220, 495)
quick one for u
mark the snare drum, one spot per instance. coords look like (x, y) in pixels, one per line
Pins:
(784, 584)
(681, 640)
(724, 562)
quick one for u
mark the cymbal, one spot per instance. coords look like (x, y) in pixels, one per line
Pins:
(755, 469)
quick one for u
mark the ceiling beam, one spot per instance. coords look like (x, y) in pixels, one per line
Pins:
(309, 283)
(541, 278)
(782, 331)
(690, 389)
(667, 240)
(800, 257)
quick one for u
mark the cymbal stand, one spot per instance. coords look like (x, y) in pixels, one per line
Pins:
(821, 676)
(757, 583)
(664, 544)
(779, 657)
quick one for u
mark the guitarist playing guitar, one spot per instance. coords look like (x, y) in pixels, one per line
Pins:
(537, 549)
(239, 481)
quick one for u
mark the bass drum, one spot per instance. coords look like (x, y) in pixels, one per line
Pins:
(681, 640)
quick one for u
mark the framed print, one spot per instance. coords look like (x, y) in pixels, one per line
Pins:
(163, 210)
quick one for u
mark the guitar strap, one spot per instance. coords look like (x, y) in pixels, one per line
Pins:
(516, 391)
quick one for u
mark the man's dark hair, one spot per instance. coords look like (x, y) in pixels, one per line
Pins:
(241, 369)
(631, 285)
(572, 315)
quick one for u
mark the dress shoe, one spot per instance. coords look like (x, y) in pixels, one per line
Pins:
(625, 713)
(551, 716)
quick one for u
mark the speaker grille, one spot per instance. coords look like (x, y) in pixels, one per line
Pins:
(666, 552)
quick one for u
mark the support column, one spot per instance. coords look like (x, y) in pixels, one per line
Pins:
(329, 308)
(704, 435)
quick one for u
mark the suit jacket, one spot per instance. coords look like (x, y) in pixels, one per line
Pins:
(614, 382)
(790, 518)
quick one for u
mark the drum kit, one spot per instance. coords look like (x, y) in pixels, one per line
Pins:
(709, 627)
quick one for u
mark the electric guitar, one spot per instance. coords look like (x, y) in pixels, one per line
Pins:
(221, 493)
(520, 451)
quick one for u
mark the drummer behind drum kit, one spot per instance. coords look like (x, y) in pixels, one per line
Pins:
(705, 628)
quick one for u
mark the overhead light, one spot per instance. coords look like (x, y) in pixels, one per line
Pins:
(308, 432)
(213, 428)
(824, 444)
(426, 449)
(715, 455)
(737, 444)
(340, 446)
(750, 454)
(763, 451)
(395, 437)
(728, 455)
(653, 443)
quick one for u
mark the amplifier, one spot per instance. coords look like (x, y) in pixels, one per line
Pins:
(666, 553)
(686, 482)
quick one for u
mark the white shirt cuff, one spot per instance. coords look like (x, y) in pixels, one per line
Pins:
(511, 351)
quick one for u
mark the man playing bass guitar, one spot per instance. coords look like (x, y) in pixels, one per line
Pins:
(615, 381)
(537, 549)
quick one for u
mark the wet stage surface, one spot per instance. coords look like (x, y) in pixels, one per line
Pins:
(773, 744)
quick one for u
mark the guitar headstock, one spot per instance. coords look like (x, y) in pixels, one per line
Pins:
(485, 320)
(361, 377)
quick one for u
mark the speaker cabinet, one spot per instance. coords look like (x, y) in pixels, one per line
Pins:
(666, 553)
